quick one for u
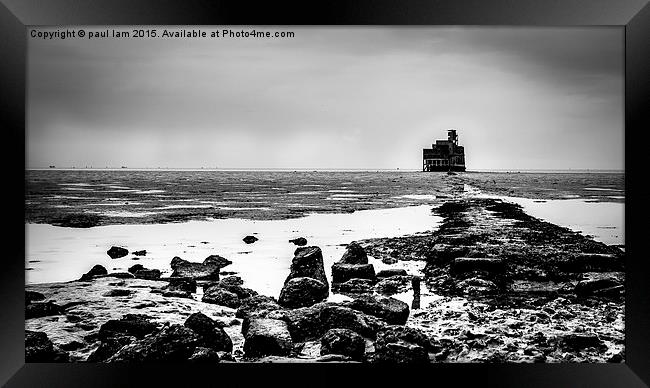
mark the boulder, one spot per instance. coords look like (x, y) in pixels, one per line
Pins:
(344, 342)
(204, 355)
(600, 284)
(344, 272)
(231, 281)
(136, 325)
(308, 262)
(250, 239)
(257, 306)
(354, 286)
(386, 273)
(237, 289)
(147, 274)
(354, 254)
(266, 337)
(140, 253)
(32, 296)
(135, 268)
(300, 241)
(97, 270)
(173, 343)
(217, 260)
(109, 346)
(39, 348)
(208, 270)
(117, 252)
(340, 317)
(210, 334)
(181, 284)
(391, 310)
(219, 296)
(42, 309)
(462, 265)
(400, 345)
(302, 292)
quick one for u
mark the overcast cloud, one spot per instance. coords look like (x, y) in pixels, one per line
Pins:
(521, 98)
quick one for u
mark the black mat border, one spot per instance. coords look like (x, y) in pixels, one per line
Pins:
(634, 15)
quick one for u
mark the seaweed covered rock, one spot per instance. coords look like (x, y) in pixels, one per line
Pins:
(302, 292)
(173, 343)
(391, 310)
(354, 286)
(109, 346)
(97, 270)
(39, 348)
(147, 274)
(219, 296)
(117, 252)
(210, 334)
(344, 342)
(217, 260)
(308, 262)
(354, 254)
(266, 337)
(343, 272)
(207, 270)
(257, 306)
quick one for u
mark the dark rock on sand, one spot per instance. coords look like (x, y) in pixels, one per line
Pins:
(250, 239)
(397, 344)
(217, 260)
(147, 274)
(257, 306)
(140, 253)
(97, 270)
(136, 325)
(181, 284)
(386, 273)
(300, 241)
(32, 296)
(208, 270)
(354, 254)
(39, 348)
(210, 334)
(204, 355)
(391, 310)
(302, 292)
(308, 262)
(344, 272)
(42, 309)
(117, 252)
(266, 337)
(344, 342)
(173, 343)
(135, 268)
(219, 296)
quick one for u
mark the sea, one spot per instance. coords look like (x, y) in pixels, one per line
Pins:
(195, 213)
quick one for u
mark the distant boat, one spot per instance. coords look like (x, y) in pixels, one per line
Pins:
(123, 166)
(52, 166)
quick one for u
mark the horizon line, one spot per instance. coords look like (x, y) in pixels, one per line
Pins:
(314, 169)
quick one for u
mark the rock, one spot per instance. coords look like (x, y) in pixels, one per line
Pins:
(354, 254)
(302, 292)
(210, 334)
(386, 273)
(135, 268)
(345, 342)
(135, 325)
(344, 272)
(354, 286)
(108, 347)
(266, 337)
(393, 285)
(31, 296)
(300, 241)
(477, 286)
(182, 284)
(140, 253)
(250, 239)
(39, 348)
(257, 306)
(232, 286)
(468, 264)
(208, 270)
(231, 281)
(391, 310)
(575, 342)
(304, 323)
(397, 345)
(148, 274)
(72, 345)
(42, 309)
(217, 260)
(219, 296)
(308, 262)
(118, 275)
(118, 292)
(340, 317)
(174, 343)
(389, 260)
(600, 284)
(97, 270)
(204, 355)
(117, 252)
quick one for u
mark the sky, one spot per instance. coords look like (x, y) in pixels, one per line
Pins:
(330, 98)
